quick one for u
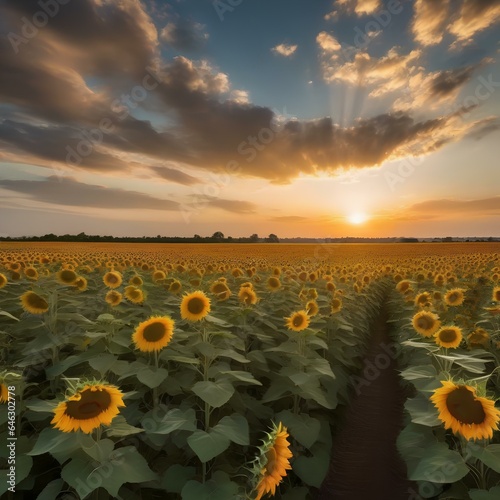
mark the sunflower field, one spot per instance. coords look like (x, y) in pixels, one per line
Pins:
(221, 371)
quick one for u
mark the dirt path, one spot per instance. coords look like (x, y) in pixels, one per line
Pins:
(365, 462)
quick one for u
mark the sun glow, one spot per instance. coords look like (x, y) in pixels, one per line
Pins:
(357, 218)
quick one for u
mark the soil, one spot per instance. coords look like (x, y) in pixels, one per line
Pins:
(365, 462)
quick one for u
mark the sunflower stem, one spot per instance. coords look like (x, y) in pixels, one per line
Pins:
(155, 389)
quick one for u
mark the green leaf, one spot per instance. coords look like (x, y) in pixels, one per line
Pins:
(176, 476)
(235, 428)
(419, 372)
(207, 445)
(440, 465)
(119, 427)
(174, 419)
(312, 470)
(242, 376)
(100, 450)
(5, 313)
(489, 455)
(422, 411)
(492, 494)
(152, 376)
(302, 427)
(218, 488)
(214, 393)
(51, 490)
(53, 441)
(40, 405)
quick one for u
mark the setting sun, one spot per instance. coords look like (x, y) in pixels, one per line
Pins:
(357, 218)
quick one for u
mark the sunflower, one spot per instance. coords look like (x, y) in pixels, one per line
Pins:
(247, 296)
(449, 336)
(89, 407)
(298, 321)
(3, 280)
(312, 308)
(195, 306)
(135, 280)
(31, 273)
(159, 275)
(426, 323)
(496, 294)
(493, 310)
(81, 283)
(465, 413)
(454, 297)
(273, 283)
(336, 306)
(402, 286)
(478, 339)
(33, 303)
(175, 286)
(153, 334)
(112, 279)
(67, 276)
(330, 286)
(423, 299)
(134, 294)
(113, 298)
(4, 393)
(220, 290)
(272, 464)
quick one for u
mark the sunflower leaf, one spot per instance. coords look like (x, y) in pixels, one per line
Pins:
(208, 445)
(234, 427)
(489, 455)
(214, 393)
(218, 488)
(152, 376)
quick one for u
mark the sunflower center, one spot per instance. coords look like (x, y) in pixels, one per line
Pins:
(297, 320)
(35, 300)
(453, 297)
(154, 332)
(91, 404)
(68, 276)
(448, 335)
(464, 407)
(195, 305)
(112, 278)
(425, 322)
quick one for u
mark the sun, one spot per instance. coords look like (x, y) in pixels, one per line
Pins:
(357, 218)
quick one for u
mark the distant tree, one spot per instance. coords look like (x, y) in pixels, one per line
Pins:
(218, 235)
(272, 238)
(197, 237)
(254, 238)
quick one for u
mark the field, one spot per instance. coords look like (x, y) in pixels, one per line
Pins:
(243, 371)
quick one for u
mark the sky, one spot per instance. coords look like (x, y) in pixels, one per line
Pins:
(361, 118)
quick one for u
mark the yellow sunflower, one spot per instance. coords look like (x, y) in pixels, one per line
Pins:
(31, 273)
(175, 286)
(153, 334)
(134, 294)
(448, 336)
(496, 294)
(195, 306)
(112, 279)
(247, 296)
(89, 407)
(336, 305)
(423, 299)
(158, 275)
(478, 339)
(426, 323)
(4, 393)
(312, 308)
(136, 280)
(297, 321)
(454, 297)
(465, 413)
(273, 462)
(81, 283)
(220, 290)
(33, 303)
(403, 285)
(3, 280)
(113, 298)
(273, 283)
(67, 276)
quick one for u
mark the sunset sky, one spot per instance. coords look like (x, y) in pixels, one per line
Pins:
(300, 118)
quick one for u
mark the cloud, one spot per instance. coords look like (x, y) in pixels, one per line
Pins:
(285, 49)
(429, 21)
(474, 16)
(239, 97)
(358, 7)
(175, 175)
(482, 206)
(184, 35)
(69, 192)
(327, 42)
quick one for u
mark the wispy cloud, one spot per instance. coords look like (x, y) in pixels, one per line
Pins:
(285, 49)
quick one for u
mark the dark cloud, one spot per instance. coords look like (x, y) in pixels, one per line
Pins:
(446, 82)
(174, 175)
(68, 191)
(184, 34)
